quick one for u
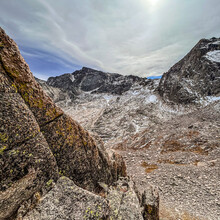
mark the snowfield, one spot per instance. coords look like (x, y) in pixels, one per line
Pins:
(213, 56)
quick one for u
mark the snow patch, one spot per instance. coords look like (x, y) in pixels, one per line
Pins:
(151, 99)
(216, 42)
(108, 98)
(72, 78)
(213, 98)
(208, 99)
(213, 56)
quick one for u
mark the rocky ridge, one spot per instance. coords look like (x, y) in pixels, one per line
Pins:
(195, 76)
(94, 81)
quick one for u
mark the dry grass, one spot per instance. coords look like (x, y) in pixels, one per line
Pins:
(192, 134)
(198, 150)
(174, 146)
(149, 167)
(171, 162)
(171, 214)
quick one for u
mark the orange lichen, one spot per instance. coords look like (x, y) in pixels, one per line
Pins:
(149, 167)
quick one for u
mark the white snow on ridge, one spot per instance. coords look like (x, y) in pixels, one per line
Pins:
(213, 56)
(213, 98)
(108, 97)
(216, 42)
(151, 99)
(208, 99)
(72, 78)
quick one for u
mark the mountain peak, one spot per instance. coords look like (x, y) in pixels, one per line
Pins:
(87, 69)
(91, 80)
(195, 76)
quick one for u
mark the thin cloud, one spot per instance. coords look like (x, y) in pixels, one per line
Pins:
(142, 37)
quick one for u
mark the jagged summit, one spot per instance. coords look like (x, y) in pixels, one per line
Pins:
(90, 80)
(195, 76)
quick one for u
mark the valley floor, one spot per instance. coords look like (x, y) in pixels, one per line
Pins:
(176, 148)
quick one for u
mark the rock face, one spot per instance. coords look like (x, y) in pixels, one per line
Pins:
(26, 160)
(90, 80)
(36, 136)
(121, 202)
(126, 201)
(68, 201)
(196, 75)
(67, 139)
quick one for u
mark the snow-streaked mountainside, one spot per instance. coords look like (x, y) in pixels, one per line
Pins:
(167, 129)
(213, 56)
(90, 80)
(195, 76)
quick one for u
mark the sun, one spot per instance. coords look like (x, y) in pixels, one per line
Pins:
(153, 2)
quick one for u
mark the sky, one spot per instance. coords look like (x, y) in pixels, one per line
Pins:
(138, 37)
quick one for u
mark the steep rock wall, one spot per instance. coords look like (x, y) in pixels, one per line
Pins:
(35, 136)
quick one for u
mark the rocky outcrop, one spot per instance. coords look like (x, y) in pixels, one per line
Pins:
(90, 80)
(68, 201)
(121, 201)
(87, 164)
(195, 76)
(36, 136)
(18, 71)
(127, 201)
(26, 160)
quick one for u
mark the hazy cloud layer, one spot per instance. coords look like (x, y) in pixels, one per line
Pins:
(141, 37)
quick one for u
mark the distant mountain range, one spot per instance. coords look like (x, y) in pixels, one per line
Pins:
(195, 76)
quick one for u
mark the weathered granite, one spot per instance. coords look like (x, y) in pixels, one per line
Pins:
(68, 201)
(18, 71)
(26, 160)
(76, 152)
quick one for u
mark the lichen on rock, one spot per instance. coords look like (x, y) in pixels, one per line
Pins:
(36, 136)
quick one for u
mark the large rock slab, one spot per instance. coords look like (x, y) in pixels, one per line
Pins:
(26, 160)
(68, 201)
(149, 201)
(78, 156)
(20, 191)
(129, 201)
(123, 201)
(6, 85)
(17, 123)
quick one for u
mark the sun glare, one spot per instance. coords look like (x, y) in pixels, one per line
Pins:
(153, 2)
